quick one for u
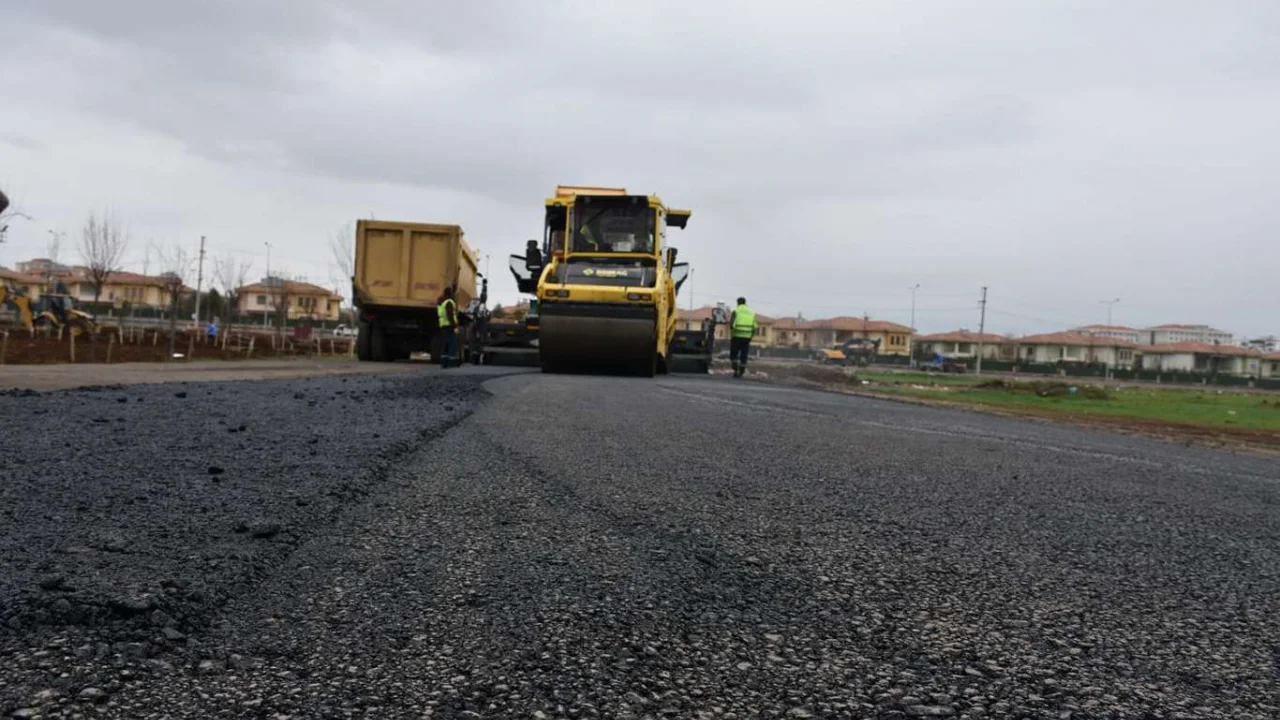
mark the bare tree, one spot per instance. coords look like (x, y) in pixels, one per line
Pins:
(280, 301)
(8, 212)
(102, 246)
(175, 266)
(342, 243)
(231, 273)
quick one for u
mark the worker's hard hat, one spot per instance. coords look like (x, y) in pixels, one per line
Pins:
(742, 301)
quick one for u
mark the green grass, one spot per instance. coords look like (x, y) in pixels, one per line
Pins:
(1244, 411)
(920, 378)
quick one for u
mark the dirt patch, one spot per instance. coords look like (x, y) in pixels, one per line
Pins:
(21, 348)
(840, 380)
(1040, 388)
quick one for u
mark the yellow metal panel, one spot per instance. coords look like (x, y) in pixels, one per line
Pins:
(382, 272)
(430, 262)
(409, 264)
(571, 190)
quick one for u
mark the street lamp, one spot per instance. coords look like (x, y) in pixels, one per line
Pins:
(267, 280)
(1110, 304)
(911, 336)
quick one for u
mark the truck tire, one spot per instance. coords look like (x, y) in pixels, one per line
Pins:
(364, 341)
(378, 350)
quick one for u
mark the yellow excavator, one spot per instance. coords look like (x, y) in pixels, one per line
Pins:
(54, 310)
(606, 288)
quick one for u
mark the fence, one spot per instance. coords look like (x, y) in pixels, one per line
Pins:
(136, 343)
(106, 312)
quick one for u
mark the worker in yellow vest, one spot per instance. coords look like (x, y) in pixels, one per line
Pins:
(742, 327)
(447, 317)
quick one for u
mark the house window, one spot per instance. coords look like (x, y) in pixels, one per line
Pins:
(964, 348)
(262, 299)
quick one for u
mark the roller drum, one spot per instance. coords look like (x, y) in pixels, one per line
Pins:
(593, 343)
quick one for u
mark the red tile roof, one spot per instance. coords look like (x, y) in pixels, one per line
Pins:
(1120, 328)
(1199, 348)
(291, 286)
(962, 336)
(1074, 338)
(20, 278)
(704, 313)
(1175, 326)
(787, 323)
(854, 324)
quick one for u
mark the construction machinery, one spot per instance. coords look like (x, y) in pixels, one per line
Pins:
(401, 270)
(605, 280)
(854, 351)
(54, 310)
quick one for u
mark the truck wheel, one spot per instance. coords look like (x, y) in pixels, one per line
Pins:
(378, 345)
(364, 339)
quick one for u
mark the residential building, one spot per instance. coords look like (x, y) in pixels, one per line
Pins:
(1169, 334)
(1271, 365)
(44, 267)
(1073, 347)
(1120, 332)
(963, 344)
(301, 298)
(788, 332)
(1208, 358)
(692, 320)
(511, 313)
(121, 288)
(894, 338)
(1268, 344)
(25, 283)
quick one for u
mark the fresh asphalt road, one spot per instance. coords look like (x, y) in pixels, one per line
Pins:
(578, 546)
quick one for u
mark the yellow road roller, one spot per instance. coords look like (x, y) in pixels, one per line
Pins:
(607, 291)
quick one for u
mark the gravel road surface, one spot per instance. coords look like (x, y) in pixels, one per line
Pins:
(63, 376)
(464, 544)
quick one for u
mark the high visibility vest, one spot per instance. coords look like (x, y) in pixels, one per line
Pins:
(442, 312)
(744, 322)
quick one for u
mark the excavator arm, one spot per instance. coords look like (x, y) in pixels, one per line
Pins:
(21, 302)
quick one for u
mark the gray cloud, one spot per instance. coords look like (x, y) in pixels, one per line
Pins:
(833, 153)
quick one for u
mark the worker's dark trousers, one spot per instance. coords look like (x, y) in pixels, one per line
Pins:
(448, 347)
(738, 350)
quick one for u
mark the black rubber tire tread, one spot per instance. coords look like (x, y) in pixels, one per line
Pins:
(364, 341)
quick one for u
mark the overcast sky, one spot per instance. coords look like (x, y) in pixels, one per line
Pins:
(834, 153)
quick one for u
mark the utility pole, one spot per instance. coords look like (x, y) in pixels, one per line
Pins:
(982, 327)
(267, 281)
(911, 337)
(1109, 304)
(199, 282)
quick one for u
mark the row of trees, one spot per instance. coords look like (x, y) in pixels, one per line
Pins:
(105, 239)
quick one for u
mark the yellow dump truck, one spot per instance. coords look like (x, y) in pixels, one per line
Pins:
(401, 269)
(607, 286)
